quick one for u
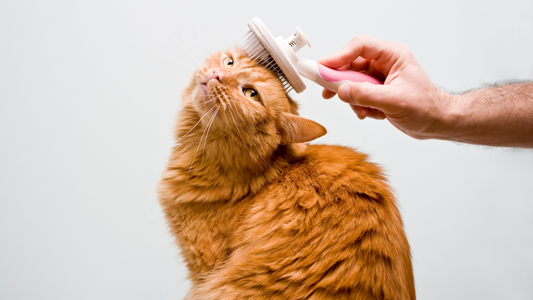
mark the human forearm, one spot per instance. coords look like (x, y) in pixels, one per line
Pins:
(495, 116)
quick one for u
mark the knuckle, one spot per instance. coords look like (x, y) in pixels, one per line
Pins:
(358, 38)
(404, 49)
(361, 38)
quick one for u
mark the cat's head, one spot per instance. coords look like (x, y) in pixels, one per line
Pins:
(233, 93)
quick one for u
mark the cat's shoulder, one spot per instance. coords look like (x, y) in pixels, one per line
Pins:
(333, 160)
(334, 170)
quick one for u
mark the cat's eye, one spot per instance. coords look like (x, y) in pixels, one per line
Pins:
(228, 62)
(251, 94)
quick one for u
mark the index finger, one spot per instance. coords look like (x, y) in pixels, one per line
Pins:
(362, 46)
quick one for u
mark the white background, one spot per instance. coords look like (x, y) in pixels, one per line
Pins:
(88, 96)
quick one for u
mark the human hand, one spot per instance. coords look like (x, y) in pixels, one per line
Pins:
(407, 98)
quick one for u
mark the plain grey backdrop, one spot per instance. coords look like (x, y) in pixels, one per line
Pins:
(89, 91)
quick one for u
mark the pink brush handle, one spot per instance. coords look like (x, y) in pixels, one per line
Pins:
(330, 79)
(337, 76)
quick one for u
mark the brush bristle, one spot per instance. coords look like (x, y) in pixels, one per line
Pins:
(256, 51)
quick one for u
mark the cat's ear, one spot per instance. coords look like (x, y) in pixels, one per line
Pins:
(295, 129)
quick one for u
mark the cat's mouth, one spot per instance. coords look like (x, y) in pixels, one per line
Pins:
(207, 83)
(212, 92)
(207, 87)
(202, 96)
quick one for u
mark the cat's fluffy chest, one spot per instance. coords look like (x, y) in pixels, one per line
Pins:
(208, 232)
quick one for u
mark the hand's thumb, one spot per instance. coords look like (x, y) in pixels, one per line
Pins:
(364, 94)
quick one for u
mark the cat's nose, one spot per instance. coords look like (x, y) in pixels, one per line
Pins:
(217, 74)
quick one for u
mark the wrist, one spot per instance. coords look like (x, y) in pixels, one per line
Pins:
(454, 122)
(463, 118)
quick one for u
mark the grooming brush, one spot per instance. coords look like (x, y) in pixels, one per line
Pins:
(279, 55)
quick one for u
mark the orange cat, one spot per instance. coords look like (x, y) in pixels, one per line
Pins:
(259, 214)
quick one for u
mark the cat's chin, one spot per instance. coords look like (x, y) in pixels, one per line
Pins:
(201, 99)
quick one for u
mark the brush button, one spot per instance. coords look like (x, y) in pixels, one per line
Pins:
(298, 40)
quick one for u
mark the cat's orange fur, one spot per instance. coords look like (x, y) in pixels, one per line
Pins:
(259, 214)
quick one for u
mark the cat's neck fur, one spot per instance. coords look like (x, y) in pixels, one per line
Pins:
(224, 164)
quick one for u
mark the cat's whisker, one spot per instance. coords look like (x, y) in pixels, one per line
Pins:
(199, 144)
(257, 149)
(239, 132)
(195, 124)
(206, 102)
(187, 50)
(225, 116)
(209, 128)
(262, 156)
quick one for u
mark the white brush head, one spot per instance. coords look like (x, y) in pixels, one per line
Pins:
(261, 46)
